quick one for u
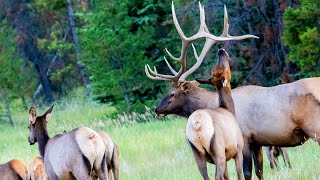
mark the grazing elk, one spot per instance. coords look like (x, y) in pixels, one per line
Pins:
(112, 153)
(73, 155)
(214, 135)
(37, 169)
(274, 152)
(283, 115)
(13, 170)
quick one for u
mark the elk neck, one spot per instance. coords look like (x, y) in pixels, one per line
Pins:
(199, 98)
(225, 98)
(42, 137)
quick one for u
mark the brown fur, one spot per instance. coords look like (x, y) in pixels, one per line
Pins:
(274, 152)
(37, 169)
(214, 135)
(73, 155)
(258, 113)
(13, 170)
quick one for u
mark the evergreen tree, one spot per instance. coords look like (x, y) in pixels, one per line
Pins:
(302, 36)
(119, 39)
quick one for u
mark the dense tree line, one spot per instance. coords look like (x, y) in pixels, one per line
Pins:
(50, 48)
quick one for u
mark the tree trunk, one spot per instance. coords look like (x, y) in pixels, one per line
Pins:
(39, 87)
(44, 81)
(124, 89)
(24, 102)
(24, 23)
(84, 77)
(8, 112)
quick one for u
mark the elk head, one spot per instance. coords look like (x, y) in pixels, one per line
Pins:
(175, 99)
(38, 124)
(221, 73)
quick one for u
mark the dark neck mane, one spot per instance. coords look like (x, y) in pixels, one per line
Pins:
(42, 138)
(222, 73)
(225, 99)
(199, 98)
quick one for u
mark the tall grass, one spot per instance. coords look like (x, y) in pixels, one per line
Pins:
(149, 148)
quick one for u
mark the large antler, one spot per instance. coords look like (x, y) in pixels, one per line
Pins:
(203, 32)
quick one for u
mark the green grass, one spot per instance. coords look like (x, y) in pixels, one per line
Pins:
(150, 150)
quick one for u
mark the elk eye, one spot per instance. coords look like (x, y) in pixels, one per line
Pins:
(172, 94)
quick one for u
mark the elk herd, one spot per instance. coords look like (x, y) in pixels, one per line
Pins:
(281, 116)
(79, 154)
(222, 125)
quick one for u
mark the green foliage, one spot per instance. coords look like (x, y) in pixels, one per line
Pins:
(118, 40)
(53, 41)
(302, 36)
(16, 76)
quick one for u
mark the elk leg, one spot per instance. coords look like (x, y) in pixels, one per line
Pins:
(239, 161)
(109, 174)
(276, 161)
(247, 161)
(270, 156)
(102, 171)
(201, 162)
(115, 162)
(220, 162)
(258, 160)
(226, 174)
(285, 156)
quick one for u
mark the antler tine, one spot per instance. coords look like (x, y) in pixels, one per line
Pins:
(174, 72)
(208, 44)
(185, 42)
(195, 52)
(154, 72)
(153, 77)
(210, 40)
(203, 25)
(175, 21)
(171, 56)
(225, 32)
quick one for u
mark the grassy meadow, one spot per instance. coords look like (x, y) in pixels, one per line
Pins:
(152, 149)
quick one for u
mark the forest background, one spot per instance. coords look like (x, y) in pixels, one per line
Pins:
(97, 49)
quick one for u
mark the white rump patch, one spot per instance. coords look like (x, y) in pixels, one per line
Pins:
(200, 130)
(90, 144)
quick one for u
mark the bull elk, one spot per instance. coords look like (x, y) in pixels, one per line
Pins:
(72, 155)
(214, 135)
(14, 169)
(283, 115)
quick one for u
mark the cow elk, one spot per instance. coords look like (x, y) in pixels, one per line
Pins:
(37, 169)
(214, 135)
(283, 115)
(274, 152)
(73, 155)
(13, 170)
(112, 153)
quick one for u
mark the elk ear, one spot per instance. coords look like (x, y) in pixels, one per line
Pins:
(203, 80)
(185, 86)
(48, 113)
(32, 115)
